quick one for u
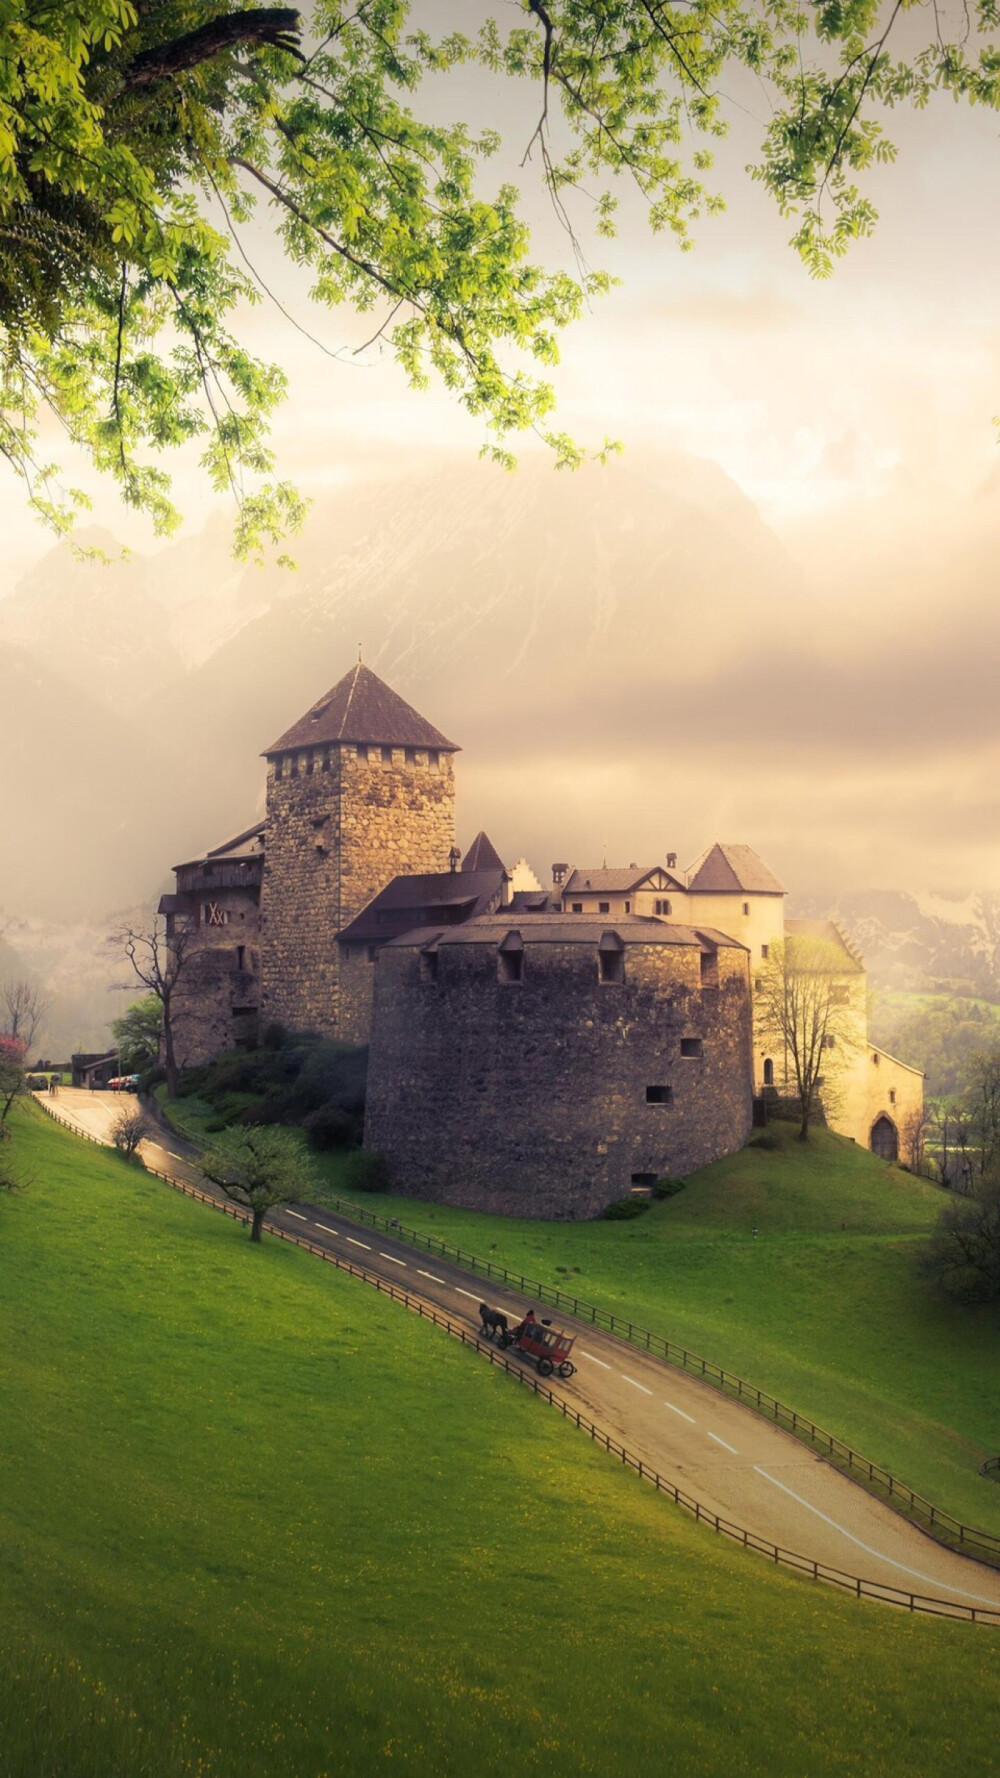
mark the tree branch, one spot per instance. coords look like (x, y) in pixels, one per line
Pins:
(279, 26)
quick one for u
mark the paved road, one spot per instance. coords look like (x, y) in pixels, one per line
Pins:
(728, 1458)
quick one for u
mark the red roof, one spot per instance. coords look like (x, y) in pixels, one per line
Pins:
(362, 708)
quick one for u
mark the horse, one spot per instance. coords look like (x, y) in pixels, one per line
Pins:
(494, 1321)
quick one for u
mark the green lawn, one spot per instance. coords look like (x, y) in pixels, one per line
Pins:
(824, 1306)
(257, 1522)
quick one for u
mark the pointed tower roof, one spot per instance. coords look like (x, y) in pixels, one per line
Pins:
(482, 855)
(361, 707)
(725, 870)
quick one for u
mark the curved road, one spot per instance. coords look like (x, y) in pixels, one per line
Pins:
(732, 1461)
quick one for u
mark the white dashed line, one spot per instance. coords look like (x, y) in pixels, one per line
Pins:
(431, 1275)
(392, 1256)
(722, 1442)
(593, 1360)
(327, 1230)
(297, 1215)
(636, 1385)
(355, 1243)
(469, 1293)
(980, 1598)
(680, 1411)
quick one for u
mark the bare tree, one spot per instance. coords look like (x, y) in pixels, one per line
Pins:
(159, 956)
(24, 1007)
(128, 1130)
(964, 1252)
(803, 1002)
(12, 1077)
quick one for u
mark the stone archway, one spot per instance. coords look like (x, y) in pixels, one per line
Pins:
(884, 1139)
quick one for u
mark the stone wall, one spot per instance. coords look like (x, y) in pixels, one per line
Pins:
(530, 1098)
(216, 999)
(342, 821)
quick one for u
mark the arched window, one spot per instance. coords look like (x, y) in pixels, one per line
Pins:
(768, 1072)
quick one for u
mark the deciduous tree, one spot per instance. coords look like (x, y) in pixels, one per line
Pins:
(964, 1253)
(24, 1008)
(159, 959)
(137, 1034)
(137, 135)
(259, 1167)
(12, 1077)
(803, 1003)
(129, 1130)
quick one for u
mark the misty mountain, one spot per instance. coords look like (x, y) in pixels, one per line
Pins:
(946, 943)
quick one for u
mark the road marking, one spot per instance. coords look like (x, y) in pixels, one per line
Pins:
(680, 1411)
(355, 1243)
(722, 1442)
(297, 1215)
(327, 1230)
(469, 1293)
(392, 1256)
(636, 1385)
(593, 1360)
(431, 1275)
(170, 1152)
(980, 1598)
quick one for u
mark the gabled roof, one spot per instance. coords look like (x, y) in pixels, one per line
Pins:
(450, 896)
(827, 932)
(617, 882)
(724, 870)
(361, 707)
(249, 842)
(482, 855)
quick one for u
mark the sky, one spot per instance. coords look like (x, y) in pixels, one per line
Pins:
(855, 413)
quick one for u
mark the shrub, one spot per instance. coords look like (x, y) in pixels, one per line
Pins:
(624, 1209)
(329, 1127)
(214, 1125)
(367, 1171)
(153, 1077)
(767, 1142)
(273, 1036)
(128, 1131)
(262, 1111)
(668, 1188)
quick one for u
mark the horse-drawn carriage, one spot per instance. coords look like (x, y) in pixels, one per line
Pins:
(538, 1340)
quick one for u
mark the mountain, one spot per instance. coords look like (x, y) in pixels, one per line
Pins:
(944, 942)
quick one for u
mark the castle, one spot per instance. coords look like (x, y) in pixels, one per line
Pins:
(535, 1050)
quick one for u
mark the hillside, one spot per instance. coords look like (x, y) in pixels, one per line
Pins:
(797, 1268)
(258, 1521)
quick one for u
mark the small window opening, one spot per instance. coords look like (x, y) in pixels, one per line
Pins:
(829, 1042)
(611, 959)
(428, 966)
(628, 907)
(839, 996)
(241, 952)
(768, 1072)
(892, 1095)
(709, 969)
(578, 907)
(746, 907)
(690, 1046)
(604, 907)
(659, 1095)
(372, 953)
(510, 959)
(764, 949)
(875, 1057)
(642, 1185)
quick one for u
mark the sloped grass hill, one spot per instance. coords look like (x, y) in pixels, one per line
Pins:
(259, 1521)
(798, 1267)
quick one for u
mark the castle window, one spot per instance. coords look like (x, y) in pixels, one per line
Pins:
(372, 953)
(642, 1185)
(387, 756)
(690, 1046)
(758, 983)
(241, 952)
(875, 1057)
(604, 907)
(709, 969)
(839, 996)
(433, 759)
(611, 959)
(374, 756)
(768, 1072)
(659, 1095)
(510, 959)
(578, 907)
(892, 1095)
(829, 1042)
(628, 907)
(764, 949)
(428, 966)
(663, 907)
(746, 907)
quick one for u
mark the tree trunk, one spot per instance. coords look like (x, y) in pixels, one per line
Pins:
(170, 1067)
(258, 1217)
(804, 1125)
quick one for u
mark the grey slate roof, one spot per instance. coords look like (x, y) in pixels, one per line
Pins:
(564, 929)
(361, 707)
(617, 881)
(725, 870)
(482, 855)
(439, 896)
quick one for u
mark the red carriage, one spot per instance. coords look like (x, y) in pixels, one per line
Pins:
(543, 1343)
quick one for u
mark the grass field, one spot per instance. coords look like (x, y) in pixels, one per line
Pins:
(258, 1521)
(824, 1306)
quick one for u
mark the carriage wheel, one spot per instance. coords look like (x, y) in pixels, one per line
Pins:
(506, 1339)
(566, 1369)
(545, 1367)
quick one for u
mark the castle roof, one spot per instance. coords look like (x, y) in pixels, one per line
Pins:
(248, 844)
(562, 929)
(444, 897)
(827, 932)
(724, 870)
(618, 881)
(482, 855)
(361, 708)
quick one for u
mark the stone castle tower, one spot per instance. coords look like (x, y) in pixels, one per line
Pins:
(360, 790)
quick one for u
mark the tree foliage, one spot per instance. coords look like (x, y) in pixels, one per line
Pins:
(13, 1079)
(258, 1168)
(137, 1034)
(136, 137)
(964, 1252)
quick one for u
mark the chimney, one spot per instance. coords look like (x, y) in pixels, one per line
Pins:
(559, 874)
(671, 860)
(454, 858)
